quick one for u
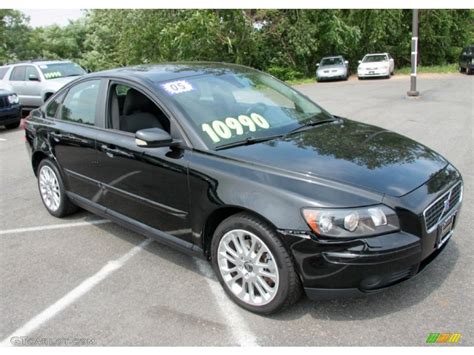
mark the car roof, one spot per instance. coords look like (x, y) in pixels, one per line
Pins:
(172, 70)
(39, 62)
(385, 53)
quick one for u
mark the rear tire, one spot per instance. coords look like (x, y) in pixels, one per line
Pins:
(51, 189)
(257, 272)
(13, 125)
(468, 71)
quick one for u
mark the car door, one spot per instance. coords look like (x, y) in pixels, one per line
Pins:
(17, 81)
(145, 185)
(73, 135)
(32, 86)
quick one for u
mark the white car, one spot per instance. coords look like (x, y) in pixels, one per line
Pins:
(35, 81)
(376, 65)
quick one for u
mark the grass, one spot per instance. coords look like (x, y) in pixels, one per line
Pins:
(438, 69)
(301, 81)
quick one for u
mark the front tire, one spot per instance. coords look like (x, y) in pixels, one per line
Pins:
(253, 266)
(52, 190)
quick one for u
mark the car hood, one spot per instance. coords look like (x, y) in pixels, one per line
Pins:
(373, 65)
(349, 152)
(326, 67)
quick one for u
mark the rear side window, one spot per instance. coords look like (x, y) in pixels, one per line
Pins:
(18, 74)
(52, 107)
(3, 71)
(80, 103)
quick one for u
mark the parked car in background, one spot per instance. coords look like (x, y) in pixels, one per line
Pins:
(226, 163)
(376, 65)
(10, 109)
(35, 81)
(466, 60)
(332, 68)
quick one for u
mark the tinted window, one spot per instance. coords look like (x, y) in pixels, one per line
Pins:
(375, 58)
(3, 71)
(31, 70)
(331, 61)
(80, 103)
(18, 74)
(52, 107)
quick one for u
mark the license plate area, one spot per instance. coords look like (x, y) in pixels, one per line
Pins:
(445, 230)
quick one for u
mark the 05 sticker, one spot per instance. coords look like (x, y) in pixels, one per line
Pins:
(177, 87)
(231, 127)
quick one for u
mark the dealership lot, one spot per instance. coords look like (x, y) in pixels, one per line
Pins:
(83, 277)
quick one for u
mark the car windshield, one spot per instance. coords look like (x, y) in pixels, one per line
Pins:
(61, 70)
(331, 61)
(375, 58)
(234, 107)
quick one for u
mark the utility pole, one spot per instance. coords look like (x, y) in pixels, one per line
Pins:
(414, 55)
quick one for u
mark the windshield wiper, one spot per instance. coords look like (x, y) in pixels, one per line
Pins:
(65, 76)
(310, 122)
(248, 141)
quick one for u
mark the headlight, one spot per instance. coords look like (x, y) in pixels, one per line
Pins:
(351, 222)
(13, 99)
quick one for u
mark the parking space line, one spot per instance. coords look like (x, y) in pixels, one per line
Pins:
(243, 336)
(71, 297)
(54, 226)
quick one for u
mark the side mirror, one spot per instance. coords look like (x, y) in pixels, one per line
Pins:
(33, 77)
(317, 65)
(346, 62)
(360, 61)
(153, 138)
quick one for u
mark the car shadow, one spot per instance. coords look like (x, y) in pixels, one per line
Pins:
(391, 300)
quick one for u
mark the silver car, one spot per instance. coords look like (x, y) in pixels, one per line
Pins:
(332, 68)
(35, 81)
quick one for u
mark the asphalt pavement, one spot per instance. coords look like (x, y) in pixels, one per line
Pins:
(86, 281)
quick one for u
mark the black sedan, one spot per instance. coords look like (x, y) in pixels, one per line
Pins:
(228, 163)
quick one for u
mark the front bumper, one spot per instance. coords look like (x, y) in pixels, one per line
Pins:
(11, 114)
(373, 73)
(330, 75)
(331, 268)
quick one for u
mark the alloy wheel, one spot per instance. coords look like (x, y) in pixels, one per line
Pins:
(248, 267)
(49, 188)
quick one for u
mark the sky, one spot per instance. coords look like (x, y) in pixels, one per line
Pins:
(45, 17)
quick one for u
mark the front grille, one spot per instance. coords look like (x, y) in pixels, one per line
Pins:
(441, 207)
(3, 101)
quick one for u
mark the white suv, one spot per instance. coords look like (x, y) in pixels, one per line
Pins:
(376, 65)
(35, 81)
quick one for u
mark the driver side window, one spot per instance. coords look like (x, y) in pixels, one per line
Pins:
(130, 110)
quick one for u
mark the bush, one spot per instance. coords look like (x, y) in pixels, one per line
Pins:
(283, 73)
